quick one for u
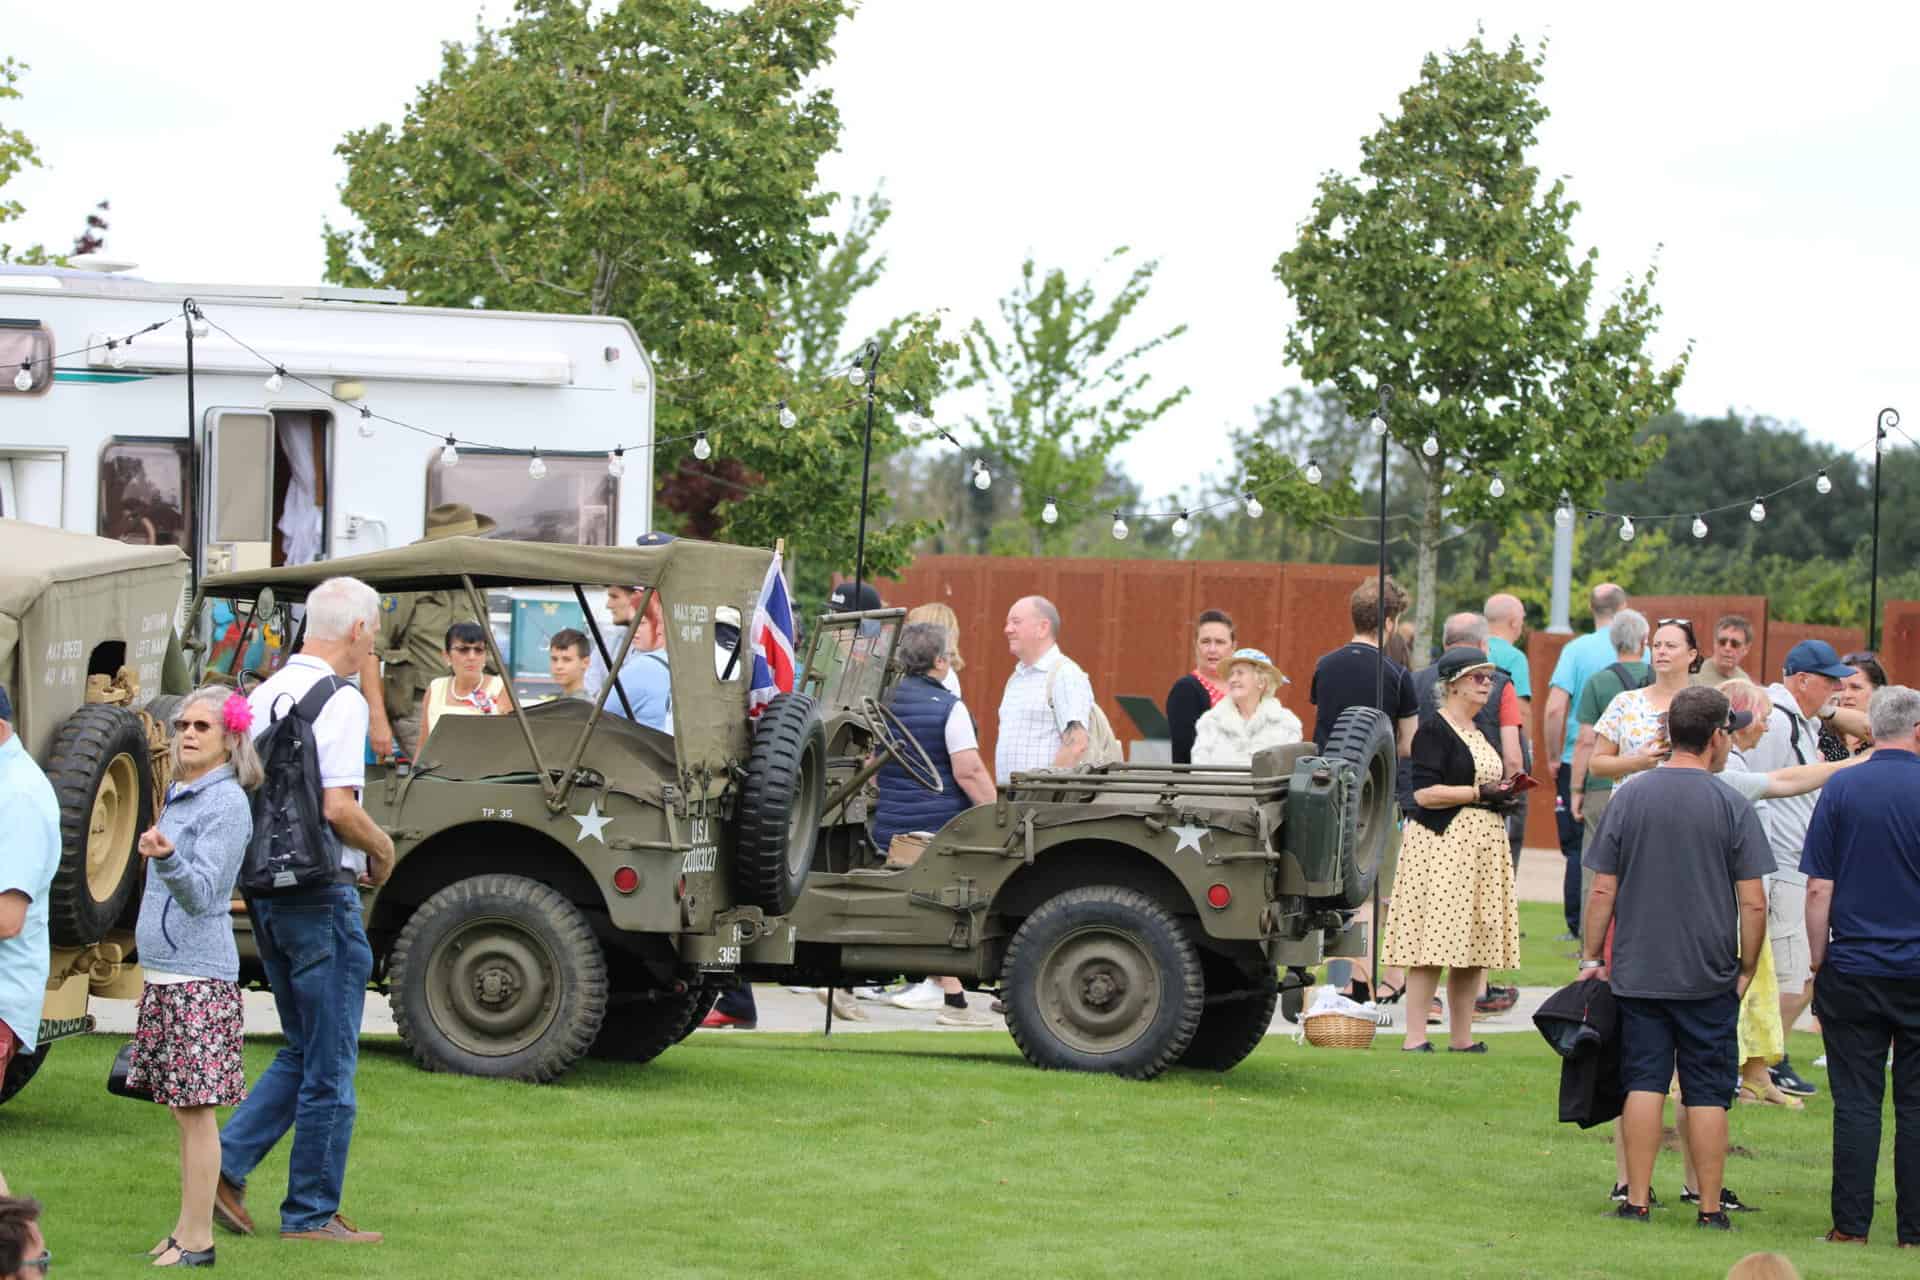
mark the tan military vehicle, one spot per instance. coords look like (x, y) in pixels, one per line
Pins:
(86, 631)
(1133, 917)
(568, 880)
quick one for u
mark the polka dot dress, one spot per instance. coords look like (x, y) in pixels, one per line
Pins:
(1453, 902)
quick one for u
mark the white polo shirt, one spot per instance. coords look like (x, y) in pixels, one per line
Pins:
(1030, 730)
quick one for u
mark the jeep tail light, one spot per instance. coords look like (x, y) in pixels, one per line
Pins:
(680, 888)
(1219, 897)
(626, 879)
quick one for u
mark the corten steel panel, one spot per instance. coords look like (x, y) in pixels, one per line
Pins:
(1782, 636)
(1900, 641)
(1543, 651)
(1315, 619)
(1154, 642)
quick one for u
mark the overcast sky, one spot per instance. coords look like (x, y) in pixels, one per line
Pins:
(1768, 160)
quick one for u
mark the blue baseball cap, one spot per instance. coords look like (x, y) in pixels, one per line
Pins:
(1817, 657)
(653, 539)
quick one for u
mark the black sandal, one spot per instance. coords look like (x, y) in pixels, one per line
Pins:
(1478, 1046)
(1389, 994)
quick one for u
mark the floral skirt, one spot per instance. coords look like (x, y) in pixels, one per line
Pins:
(186, 1046)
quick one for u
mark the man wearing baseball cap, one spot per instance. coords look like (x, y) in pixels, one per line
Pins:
(1809, 679)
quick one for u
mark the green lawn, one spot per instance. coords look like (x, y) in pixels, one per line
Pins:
(920, 1154)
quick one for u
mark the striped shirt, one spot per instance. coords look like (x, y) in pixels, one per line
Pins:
(1030, 729)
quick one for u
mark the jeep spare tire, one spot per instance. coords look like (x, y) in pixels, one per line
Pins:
(1364, 737)
(103, 779)
(782, 802)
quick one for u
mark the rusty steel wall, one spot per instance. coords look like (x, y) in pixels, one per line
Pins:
(1130, 622)
(1782, 636)
(1900, 641)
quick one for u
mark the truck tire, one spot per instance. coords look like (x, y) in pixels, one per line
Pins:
(639, 1029)
(498, 976)
(103, 779)
(20, 1069)
(704, 998)
(1234, 1021)
(1364, 736)
(1103, 979)
(782, 801)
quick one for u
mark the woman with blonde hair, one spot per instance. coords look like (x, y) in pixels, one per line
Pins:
(186, 1047)
(942, 615)
(1250, 718)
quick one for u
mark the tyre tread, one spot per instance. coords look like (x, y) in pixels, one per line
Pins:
(82, 747)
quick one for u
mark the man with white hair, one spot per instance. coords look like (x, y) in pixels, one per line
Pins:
(1047, 708)
(313, 944)
(1862, 863)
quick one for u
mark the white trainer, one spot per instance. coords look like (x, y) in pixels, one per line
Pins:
(922, 997)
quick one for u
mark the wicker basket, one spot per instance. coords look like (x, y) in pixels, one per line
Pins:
(1338, 1031)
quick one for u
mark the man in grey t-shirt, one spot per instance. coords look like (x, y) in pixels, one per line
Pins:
(1679, 855)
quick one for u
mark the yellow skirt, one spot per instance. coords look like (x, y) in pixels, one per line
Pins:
(1761, 1035)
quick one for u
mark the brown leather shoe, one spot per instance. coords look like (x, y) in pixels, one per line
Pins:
(230, 1207)
(1837, 1236)
(338, 1230)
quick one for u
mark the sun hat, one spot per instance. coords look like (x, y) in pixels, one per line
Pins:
(1258, 659)
(1460, 660)
(455, 519)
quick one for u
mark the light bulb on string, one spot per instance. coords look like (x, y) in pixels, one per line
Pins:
(1563, 514)
(1446, 490)
(1050, 514)
(788, 418)
(450, 455)
(1497, 488)
(1758, 511)
(197, 324)
(1119, 528)
(1254, 509)
(857, 376)
(1699, 526)
(982, 478)
(1822, 485)
(1430, 446)
(1313, 472)
(617, 463)
(701, 449)
(1181, 525)
(23, 380)
(366, 423)
(1626, 528)
(1377, 424)
(536, 466)
(276, 381)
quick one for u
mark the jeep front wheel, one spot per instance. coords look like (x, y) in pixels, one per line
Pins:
(498, 976)
(1103, 979)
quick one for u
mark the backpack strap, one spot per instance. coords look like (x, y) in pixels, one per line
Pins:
(1626, 678)
(315, 701)
(1793, 730)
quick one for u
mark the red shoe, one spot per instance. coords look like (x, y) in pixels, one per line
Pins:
(719, 1020)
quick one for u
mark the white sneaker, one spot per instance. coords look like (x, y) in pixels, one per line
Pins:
(845, 1007)
(878, 993)
(922, 997)
(968, 1017)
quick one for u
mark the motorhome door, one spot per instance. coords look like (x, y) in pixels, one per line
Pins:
(267, 474)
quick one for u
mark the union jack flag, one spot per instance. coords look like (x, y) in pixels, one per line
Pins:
(773, 666)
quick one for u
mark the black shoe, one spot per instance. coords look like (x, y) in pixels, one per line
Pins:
(1714, 1221)
(1787, 1080)
(1633, 1213)
(1619, 1196)
(1728, 1200)
(190, 1258)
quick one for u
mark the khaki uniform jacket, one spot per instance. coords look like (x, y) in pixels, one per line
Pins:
(412, 644)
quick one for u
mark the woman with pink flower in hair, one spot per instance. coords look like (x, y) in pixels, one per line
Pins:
(186, 1049)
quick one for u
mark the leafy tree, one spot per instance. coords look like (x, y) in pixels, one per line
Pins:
(1061, 394)
(1447, 273)
(17, 152)
(656, 160)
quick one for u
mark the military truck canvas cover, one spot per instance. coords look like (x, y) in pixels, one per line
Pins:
(711, 728)
(64, 594)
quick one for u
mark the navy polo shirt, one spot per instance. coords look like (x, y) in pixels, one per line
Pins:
(1865, 837)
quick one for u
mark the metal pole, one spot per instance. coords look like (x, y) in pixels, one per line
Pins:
(191, 312)
(1559, 622)
(860, 546)
(1889, 417)
(1380, 667)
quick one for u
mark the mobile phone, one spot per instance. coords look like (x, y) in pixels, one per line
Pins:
(1520, 782)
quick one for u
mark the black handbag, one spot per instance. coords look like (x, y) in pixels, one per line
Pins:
(117, 1076)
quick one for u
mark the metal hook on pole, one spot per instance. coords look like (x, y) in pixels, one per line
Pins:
(1888, 419)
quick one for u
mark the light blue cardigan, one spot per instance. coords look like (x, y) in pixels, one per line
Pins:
(185, 926)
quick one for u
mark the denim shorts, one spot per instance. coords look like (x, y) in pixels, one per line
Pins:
(1699, 1038)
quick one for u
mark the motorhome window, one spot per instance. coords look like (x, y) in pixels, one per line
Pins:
(146, 490)
(574, 502)
(25, 344)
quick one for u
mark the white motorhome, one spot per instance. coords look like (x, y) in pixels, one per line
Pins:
(267, 471)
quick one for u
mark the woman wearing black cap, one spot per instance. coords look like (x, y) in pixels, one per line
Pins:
(1453, 903)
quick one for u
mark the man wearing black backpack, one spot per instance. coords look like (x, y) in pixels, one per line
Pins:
(299, 876)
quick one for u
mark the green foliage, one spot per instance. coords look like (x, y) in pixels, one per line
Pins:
(1445, 272)
(1518, 559)
(1061, 396)
(655, 160)
(17, 152)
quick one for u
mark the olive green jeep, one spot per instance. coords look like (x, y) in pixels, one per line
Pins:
(567, 880)
(1132, 916)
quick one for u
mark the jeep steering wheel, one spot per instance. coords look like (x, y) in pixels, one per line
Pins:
(892, 738)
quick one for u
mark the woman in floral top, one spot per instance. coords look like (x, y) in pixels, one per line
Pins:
(1631, 735)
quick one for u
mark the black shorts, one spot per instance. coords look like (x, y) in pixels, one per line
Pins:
(1699, 1038)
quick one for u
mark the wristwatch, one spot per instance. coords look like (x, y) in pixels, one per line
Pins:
(1591, 964)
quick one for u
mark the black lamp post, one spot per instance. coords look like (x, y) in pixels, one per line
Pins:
(872, 357)
(1889, 418)
(1378, 422)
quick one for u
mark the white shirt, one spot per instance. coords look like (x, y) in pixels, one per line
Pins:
(1030, 730)
(340, 734)
(960, 734)
(1786, 818)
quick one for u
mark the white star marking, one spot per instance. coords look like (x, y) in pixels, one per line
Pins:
(1188, 836)
(591, 823)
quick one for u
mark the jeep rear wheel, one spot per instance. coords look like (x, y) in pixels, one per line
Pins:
(1103, 979)
(498, 976)
(1235, 1020)
(782, 801)
(102, 776)
(1364, 736)
(642, 1026)
(20, 1069)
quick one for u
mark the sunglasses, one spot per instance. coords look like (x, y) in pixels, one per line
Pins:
(1478, 677)
(198, 726)
(468, 648)
(42, 1264)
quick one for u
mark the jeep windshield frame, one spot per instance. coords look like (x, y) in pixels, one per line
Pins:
(850, 659)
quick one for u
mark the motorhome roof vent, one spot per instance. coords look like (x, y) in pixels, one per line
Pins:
(100, 263)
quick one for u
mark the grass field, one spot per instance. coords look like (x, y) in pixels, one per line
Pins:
(921, 1154)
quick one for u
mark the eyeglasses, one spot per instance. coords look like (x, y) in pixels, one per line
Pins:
(198, 726)
(468, 648)
(42, 1264)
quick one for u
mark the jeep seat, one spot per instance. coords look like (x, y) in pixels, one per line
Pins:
(478, 748)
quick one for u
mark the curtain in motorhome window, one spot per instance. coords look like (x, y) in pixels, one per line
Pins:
(145, 491)
(573, 502)
(29, 343)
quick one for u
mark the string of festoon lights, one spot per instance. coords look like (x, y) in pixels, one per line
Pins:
(23, 378)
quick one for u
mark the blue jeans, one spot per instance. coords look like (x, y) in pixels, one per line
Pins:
(314, 949)
(1572, 835)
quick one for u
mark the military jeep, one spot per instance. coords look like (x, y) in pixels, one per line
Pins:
(1133, 916)
(568, 880)
(86, 642)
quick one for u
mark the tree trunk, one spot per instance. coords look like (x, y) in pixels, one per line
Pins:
(1426, 571)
